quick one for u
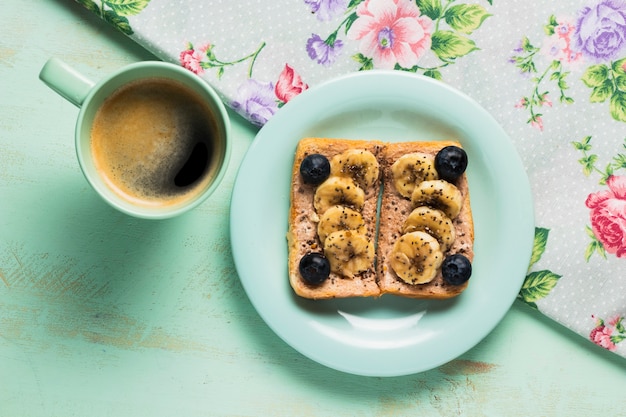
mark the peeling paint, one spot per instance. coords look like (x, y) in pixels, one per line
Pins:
(466, 367)
(7, 56)
(54, 277)
(4, 279)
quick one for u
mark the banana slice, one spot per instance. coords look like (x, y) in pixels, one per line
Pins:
(416, 257)
(358, 164)
(411, 169)
(431, 221)
(348, 252)
(438, 194)
(338, 191)
(339, 218)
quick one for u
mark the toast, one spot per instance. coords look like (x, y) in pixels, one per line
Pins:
(303, 237)
(343, 243)
(396, 208)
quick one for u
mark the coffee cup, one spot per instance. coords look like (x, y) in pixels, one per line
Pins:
(152, 139)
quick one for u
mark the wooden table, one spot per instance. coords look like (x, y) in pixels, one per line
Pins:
(102, 314)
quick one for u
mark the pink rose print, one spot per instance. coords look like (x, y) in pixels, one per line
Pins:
(608, 215)
(289, 84)
(608, 336)
(192, 60)
(537, 123)
(197, 60)
(601, 336)
(391, 32)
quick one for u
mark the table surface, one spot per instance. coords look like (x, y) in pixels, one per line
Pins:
(103, 314)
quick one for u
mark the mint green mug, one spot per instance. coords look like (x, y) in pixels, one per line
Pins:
(152, 139)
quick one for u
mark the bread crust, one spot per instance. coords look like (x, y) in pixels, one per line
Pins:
(302, 235)
(394, 208)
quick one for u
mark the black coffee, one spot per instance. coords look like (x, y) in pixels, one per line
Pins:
(154, 142)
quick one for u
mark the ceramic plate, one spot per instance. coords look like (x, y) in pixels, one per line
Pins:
(386, 336)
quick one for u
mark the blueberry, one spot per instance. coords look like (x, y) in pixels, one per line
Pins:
(314, 169)
(314, 268)
(456, 269)
(450, 163)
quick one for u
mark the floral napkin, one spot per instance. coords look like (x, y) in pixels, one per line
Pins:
(552, 73)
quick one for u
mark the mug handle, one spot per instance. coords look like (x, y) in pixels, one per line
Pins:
(65, 80)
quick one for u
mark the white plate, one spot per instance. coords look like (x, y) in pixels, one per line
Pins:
(388, 336)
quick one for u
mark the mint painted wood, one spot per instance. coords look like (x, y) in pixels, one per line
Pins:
(105, 315)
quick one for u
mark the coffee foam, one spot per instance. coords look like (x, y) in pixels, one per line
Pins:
(142, 136)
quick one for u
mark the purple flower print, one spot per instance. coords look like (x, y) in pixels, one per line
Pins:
(325, 52)
(325, 10)
(601, 30)
(255, 101)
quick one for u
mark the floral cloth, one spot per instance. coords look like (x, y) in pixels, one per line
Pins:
(552, 73)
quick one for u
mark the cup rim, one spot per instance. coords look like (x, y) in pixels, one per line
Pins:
(152, 69)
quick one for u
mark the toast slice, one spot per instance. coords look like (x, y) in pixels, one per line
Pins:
(394, 210)
(303, 235)
(306, 217)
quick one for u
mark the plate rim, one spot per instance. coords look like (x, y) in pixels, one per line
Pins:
(294, 106)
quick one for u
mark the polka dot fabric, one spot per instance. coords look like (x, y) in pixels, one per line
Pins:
(543, 69)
